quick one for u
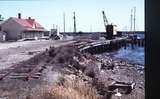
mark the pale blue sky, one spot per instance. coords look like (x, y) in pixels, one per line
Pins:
(88, 12)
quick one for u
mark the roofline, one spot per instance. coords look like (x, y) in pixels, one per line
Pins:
(27, 19)
(19, 23)
(13, 20)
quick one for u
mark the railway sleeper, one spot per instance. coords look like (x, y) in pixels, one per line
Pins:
(38, 74)
(35, 77)
(17, 77)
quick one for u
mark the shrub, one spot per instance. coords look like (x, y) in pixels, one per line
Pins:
(66, 89)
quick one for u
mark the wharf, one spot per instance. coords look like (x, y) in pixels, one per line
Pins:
(99, 46)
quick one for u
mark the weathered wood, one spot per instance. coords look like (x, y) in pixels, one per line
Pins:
(125, 88)
(103, 46)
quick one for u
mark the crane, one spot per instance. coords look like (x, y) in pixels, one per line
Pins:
(105, 19)
(109, 27)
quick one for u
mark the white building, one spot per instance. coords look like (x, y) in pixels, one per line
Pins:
(18, 28)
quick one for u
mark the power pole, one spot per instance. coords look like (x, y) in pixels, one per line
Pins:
(74, 22)
(64, 21)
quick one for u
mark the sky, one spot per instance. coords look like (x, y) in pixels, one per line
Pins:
(88, 13)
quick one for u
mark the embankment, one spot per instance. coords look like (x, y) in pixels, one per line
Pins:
(91, 77)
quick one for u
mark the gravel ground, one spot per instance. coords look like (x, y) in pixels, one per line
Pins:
(14, 52)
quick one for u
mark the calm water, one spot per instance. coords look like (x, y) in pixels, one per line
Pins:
(135, 56)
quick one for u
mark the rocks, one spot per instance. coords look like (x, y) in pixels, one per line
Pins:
(107, 66)
(86, 66)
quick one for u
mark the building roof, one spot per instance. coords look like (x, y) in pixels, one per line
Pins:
(30, 24)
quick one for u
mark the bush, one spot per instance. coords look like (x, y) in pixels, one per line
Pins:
(67, 89)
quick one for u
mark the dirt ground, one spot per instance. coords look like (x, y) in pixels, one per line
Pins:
(14, 52)
(66, 60)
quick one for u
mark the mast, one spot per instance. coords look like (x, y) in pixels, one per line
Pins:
(91, 28)
(74, 22)
(134, 18)
(131, 20)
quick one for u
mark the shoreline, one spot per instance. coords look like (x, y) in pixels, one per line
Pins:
(139, 67)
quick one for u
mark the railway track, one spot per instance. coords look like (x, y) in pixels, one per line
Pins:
(28, 71)
(24, 72)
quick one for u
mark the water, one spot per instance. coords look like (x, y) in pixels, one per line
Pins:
(135, 56)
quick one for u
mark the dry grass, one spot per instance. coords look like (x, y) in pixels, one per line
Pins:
(65, 89)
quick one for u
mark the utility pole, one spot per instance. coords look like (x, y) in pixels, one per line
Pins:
(64, 21)
(74, 22)
(57, 29)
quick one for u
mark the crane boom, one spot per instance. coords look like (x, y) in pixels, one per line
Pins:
(105, 19)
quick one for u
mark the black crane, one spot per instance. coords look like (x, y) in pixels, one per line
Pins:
(108, 27)
(105, 19)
